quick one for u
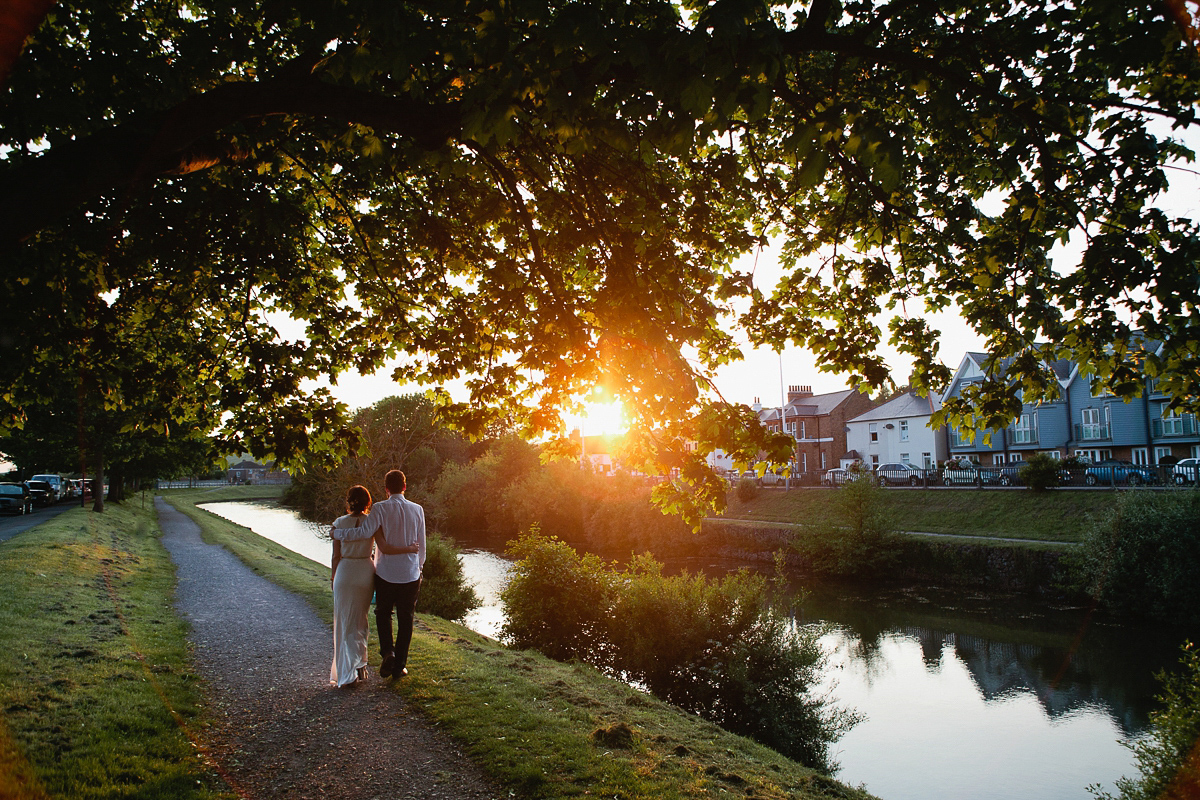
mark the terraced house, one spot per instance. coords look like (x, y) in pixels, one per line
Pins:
(1085, 421)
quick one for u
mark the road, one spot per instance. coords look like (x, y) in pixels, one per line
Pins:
(11, 526)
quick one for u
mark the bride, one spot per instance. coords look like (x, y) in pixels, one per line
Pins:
(353, 579)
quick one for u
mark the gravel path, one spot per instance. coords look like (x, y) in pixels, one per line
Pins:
(279, 729)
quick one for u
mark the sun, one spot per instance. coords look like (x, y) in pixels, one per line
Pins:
(600, 418)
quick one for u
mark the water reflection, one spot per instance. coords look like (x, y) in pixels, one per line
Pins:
(965, 696)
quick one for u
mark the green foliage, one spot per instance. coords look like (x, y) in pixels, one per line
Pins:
(444, 588)
(1041, 472)
(1144, 556)
(856, 536)
(534, 199)
(713, 647)
(747, 489)
(1169, 757)
(557, 601)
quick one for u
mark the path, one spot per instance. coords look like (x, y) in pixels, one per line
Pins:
(279, 729)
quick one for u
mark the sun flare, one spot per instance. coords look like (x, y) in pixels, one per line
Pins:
(600, 418)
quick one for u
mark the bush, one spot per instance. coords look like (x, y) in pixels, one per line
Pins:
(557, 601)
(1169, 757)
(712, 647)
(857, 538)
(1040, 472)
(1145, 555)
(747, 489)
(444, 590)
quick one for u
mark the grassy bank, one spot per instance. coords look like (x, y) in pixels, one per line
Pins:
(1055, 516)
(542, 728)
(97, 696)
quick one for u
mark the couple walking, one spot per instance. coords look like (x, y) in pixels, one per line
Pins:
(394, 529)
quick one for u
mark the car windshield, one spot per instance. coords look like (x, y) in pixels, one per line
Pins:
(10, 490)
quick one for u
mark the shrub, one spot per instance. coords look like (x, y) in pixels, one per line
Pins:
(1145, 555)
(1040, 472)
(444, 589)
(1169, 757)
(747, 489)
(712, 647)
(857, 538)
(557, 601)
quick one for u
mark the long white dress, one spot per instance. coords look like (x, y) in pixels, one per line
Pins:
(353, 585)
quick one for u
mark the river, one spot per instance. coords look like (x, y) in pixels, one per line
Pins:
(964, 697)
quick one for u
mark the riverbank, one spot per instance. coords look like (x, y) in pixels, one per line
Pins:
(539, 728)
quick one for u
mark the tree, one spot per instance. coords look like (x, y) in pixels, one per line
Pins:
(546, 196)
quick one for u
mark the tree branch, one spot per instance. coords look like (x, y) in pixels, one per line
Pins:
(36, 192)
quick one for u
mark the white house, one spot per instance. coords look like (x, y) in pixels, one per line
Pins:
(898, 430)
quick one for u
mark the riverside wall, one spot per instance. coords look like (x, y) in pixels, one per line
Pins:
(987, 565)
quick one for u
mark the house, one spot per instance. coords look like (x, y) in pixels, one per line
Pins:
(898, 430)
(1084, 421)
(818, 424)
(252, 472)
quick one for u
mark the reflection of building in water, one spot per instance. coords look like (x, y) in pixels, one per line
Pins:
(1062, 682)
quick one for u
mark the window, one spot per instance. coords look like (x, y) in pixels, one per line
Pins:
(927, 460)
(904, 430)
(1160, 453)
(802, 434)
(904, 457)
(1024, 430)
(1015, 457)
(961, 439)
(823, 466)
(1093, 455)
(1139, 456)
(998, 458)
(874, 461)
(1172, 423)
(873, 427)
(1091, 428)
(1196, 451)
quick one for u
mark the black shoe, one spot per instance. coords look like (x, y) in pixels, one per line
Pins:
(389, 664)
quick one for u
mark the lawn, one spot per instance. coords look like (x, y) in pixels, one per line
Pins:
(1054, 516)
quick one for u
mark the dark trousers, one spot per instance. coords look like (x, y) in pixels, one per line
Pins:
(402, 597)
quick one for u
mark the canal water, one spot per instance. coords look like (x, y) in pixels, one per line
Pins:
(964, 697)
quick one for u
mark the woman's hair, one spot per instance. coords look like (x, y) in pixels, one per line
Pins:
(358, 499)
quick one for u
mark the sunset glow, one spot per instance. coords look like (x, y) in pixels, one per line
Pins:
(597, 418)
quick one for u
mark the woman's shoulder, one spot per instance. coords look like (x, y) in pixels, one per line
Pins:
(345, 521)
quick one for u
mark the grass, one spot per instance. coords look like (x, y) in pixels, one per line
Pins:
(97, 695)
(540, 728)
(1055, 516)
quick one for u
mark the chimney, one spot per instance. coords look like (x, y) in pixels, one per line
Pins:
(757, 405)
(798, 393)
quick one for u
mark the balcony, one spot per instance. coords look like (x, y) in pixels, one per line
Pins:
(1183, 425)
(1093, 432)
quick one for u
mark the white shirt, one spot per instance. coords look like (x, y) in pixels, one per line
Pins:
(403, 524)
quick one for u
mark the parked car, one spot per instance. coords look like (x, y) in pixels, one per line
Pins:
(966, 473)
(15, 498)
(1113, 471)
(40, 492)
(1185, 471)
(900, 474)
(839, 476)
(58, 489)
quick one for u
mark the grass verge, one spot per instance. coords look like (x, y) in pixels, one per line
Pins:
(1055, 516)
(98, 698)
(540, 728)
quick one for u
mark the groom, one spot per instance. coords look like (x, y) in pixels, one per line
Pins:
(397, 577)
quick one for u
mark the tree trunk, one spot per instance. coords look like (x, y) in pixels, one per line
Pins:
(116, 485)
(98, 486)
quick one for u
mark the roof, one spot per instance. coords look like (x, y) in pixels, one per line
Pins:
(813, 406)
(247, 465)
(906, 405)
